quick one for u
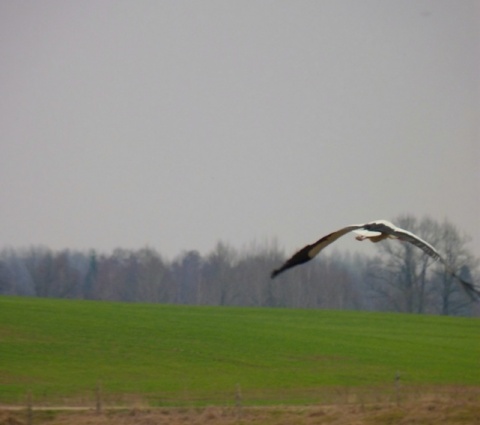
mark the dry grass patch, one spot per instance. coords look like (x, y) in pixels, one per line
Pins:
(438, 412)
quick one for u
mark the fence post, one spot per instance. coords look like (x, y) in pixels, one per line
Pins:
(29, 408)
(238, 401)
(397, 387)
(98, 398)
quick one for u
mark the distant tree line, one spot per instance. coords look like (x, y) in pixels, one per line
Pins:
(400, 278)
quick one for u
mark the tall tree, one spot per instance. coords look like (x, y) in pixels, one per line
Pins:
(187, 274)
(400, 272)
(91, 277)
(453, 246)
(404, 278)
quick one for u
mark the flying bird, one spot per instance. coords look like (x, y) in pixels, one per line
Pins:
(374, 231)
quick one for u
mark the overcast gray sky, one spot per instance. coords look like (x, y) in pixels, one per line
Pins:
(176, 124)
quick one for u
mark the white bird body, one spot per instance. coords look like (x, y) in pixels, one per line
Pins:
(375, 231)
(365, 234)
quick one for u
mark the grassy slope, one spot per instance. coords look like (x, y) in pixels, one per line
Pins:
(54, 347)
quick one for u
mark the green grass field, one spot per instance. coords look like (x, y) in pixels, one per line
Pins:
(59, 348)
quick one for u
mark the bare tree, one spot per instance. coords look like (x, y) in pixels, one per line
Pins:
(400, 272)
(187, 274)
(453, 246)
(217, 286)
(405, 279)
(153, 281)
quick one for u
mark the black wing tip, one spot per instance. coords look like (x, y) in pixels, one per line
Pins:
(470, 289)
(275, 273)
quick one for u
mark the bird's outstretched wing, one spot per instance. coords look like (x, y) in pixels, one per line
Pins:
(402, 234)
(310, 251)
(388, 228)
(469, 288)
